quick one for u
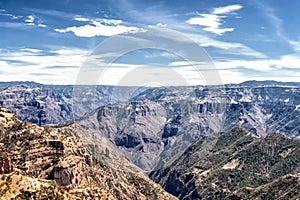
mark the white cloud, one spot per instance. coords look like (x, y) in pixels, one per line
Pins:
(161, 25)
(31, 50)
(213, 21)
(81, 19)
(30, 19)
(295, 45)
(99, 21)
(208, 20)
(42, 25)
(227, 9)
(99, 27)
(60, 30)
(30, 24)
(108, 21)
(161, 54)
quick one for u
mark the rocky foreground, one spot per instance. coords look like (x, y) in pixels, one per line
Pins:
(53, 163)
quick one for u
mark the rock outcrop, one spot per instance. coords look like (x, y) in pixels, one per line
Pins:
(55, 163)
(6, 165)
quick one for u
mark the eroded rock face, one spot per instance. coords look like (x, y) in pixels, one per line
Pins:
(45, 158)
(157, 125)
(70, 171)
(50, 104)
(6, 165)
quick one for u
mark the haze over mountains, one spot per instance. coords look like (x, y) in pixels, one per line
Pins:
(171, 133)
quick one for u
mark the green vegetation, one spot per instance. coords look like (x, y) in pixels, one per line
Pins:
(240, 166)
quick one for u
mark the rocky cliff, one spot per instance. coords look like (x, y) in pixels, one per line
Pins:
(51, 104)
(157, 125)
(54, 163)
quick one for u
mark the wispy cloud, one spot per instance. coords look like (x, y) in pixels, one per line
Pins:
(295, 44)
(226, 9)
(62, 67)
(277, 22)
(286, 68)
(4, 12)
(51, 13)
(55, 66)
(232, 48)
(203, 38)
(213, 21)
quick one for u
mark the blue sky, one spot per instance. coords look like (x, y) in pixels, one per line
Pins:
(50, 41)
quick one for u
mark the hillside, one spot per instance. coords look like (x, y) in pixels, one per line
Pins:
(43, 162)
(240, 166)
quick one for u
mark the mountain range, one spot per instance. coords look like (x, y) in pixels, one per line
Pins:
(236, 141)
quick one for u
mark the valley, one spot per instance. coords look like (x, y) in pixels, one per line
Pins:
(236, 141)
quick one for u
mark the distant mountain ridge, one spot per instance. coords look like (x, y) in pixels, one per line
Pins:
(245, 83)
(268, 83)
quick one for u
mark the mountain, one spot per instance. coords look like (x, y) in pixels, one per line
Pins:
(52, 104)
(239, 166)
(54, 163)
(157, 125)
(49, 104)
(184, 137)
(154, 126)
(269, 83)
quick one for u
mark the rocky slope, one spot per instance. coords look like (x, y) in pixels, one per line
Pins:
(156, 126)
(239, 166)
(53, 163)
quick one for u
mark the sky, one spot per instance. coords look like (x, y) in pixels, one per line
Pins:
(55, 42)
